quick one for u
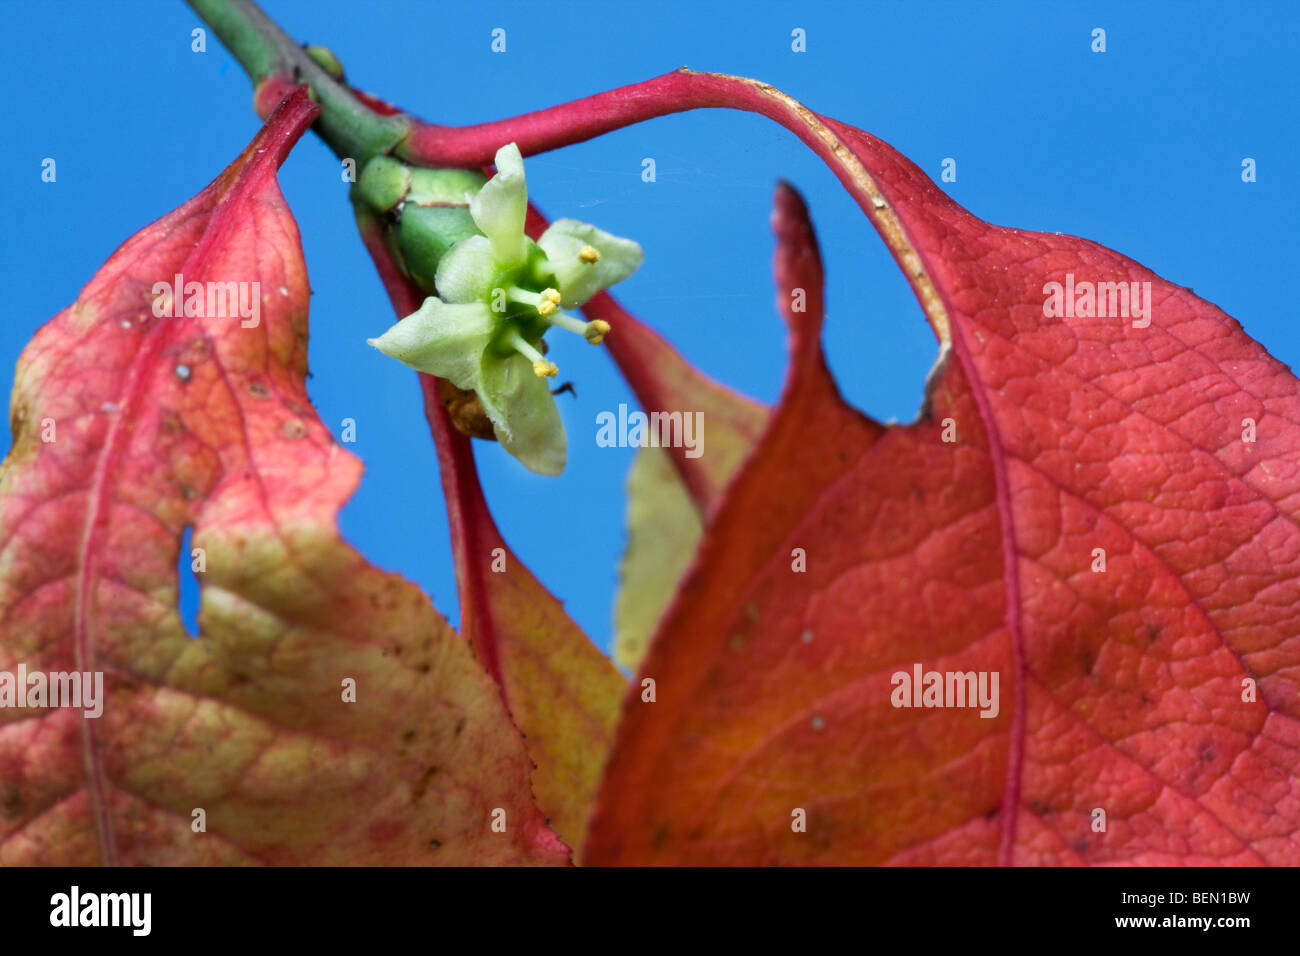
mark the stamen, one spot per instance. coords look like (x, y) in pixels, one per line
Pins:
(589, 255)
(541, 367)
(516, 294)
(550, 302)
(563, 320)
(594, 331)
(545, 302)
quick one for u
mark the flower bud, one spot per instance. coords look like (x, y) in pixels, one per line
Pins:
(324, 57)
(383, 184)
(427, 211)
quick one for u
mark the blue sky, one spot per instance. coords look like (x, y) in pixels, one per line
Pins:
(1139, 148)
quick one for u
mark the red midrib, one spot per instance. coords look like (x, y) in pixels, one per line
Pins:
(1012, 614)
(97, 514)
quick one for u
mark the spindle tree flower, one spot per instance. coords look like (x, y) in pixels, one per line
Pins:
(498, 295)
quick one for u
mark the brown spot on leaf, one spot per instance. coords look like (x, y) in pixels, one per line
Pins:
(13, 803)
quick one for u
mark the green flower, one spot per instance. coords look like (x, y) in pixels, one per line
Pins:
(498, 294)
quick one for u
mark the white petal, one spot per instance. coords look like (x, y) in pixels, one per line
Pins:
(578, 281)
(500, 207)
(523, 412)
(443, 340)
(465, 271)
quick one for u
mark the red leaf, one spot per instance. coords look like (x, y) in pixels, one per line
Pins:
(166, 423)
(1122, 690)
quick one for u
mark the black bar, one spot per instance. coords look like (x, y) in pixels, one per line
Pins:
(560, 907)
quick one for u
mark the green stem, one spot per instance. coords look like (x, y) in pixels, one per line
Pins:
(348, 126)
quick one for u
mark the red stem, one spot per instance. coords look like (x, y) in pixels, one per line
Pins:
(569, 123)
(473, 532)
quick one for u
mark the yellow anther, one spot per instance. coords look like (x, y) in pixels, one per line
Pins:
(596, 331)
(545, 369)
(546, 307)
(551, 295)
(588, 254)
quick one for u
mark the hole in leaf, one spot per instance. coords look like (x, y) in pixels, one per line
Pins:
(187, 582)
